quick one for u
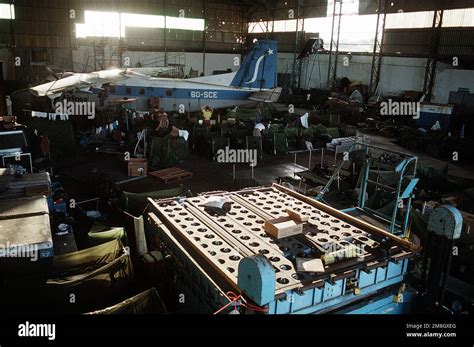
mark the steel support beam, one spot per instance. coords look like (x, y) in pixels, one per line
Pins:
(334, 46)
(164, 35)
(204, 39)
(432, 61)
(295, 69)
(378, 48)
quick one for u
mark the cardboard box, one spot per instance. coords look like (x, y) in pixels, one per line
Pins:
(285, 226)
(309, 265)
(137, 167)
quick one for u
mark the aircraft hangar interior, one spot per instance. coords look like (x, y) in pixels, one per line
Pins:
(249, 158)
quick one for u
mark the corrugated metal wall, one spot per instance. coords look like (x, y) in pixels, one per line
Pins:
(286, 40)
(43, 32)
(370, 6)
(415, 42)
(45, 24)
(457, 42)
(278, 9)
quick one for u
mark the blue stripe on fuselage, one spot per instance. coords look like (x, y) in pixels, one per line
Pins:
(180, 93)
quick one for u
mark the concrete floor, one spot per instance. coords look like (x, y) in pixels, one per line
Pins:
(210, 176)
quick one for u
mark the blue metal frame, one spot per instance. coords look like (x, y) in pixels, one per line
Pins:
(335, 295)
(407, 193)
(203, 295)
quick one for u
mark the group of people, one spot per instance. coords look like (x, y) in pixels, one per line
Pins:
(163, 126)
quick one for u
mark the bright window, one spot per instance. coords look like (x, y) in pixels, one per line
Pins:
(105, 24)
(184, 23)
(7, 11)
(459, 18)
(348, 7)
(114, 24)
(409, 20)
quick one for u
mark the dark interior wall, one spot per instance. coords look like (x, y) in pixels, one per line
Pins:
(43, 34)
(40, 35)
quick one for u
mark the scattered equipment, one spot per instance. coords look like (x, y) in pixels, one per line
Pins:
(384, 176)
(228, 260)
(444, 227)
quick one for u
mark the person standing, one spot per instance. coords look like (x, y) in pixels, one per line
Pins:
(207, 115)
(162, 121)
(258, 129)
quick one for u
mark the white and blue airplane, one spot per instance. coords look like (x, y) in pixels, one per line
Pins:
(255, 81)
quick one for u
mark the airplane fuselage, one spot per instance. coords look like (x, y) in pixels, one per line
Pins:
(179, 95)
(254, 81)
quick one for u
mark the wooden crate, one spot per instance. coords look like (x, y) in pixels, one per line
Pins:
(137, 167)
(173, 174)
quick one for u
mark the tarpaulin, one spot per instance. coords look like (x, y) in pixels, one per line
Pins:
(242, 114)
(80, 281)
(280, 144)
(147, 302)
(100, 234)
(274, 128)
(135, 203)
(167, 151)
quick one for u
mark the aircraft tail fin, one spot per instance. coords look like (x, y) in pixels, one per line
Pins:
(259, 68)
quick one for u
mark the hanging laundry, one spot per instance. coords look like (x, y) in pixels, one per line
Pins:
(184, 134)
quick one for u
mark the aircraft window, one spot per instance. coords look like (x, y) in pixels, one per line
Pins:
(128, 90)
(169, 92)
(142, 91)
